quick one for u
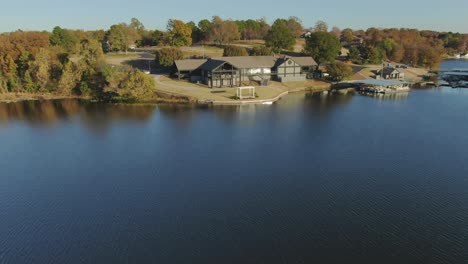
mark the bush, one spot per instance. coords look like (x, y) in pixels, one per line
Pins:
(261, 51)
(233, 51)
(165, 57)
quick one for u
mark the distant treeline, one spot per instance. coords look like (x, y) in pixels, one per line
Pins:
(71, 62)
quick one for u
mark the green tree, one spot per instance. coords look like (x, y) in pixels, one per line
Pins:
(280, 36)
(322, 46)
(122, 36)
(204, 25)
(165, 57)
(64, 38)
(157, 37)
(354, 55)
(339, 71)
(179, 33)
(230, 51)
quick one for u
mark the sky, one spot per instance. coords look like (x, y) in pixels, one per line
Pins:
(447, 15)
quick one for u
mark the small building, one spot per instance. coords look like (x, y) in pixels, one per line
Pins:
(189, 69)
(390, 73)
(294, 68)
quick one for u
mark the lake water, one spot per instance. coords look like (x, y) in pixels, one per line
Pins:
(310, 179)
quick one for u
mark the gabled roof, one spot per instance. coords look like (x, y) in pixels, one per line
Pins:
(304, 61)
(212, 65)
(248, 62)
(189, 65)
(389, 71)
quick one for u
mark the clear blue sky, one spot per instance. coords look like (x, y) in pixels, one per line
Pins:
(447, 15)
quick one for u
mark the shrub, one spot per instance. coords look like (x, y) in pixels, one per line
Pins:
(232, 51)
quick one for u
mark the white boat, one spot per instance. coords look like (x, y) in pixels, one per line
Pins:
(267, 103)
(462, 56)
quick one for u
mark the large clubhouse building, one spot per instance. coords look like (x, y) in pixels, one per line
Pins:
(234, 71)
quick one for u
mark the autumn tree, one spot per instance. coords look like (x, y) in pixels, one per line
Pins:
(339, 71)
(223, 31)
(295, 26)
(321, 26)
(322, 46)
(336, 31)
(179, 33)
(280, 36)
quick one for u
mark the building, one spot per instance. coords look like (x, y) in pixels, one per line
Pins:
(390, 73)
(233, 71)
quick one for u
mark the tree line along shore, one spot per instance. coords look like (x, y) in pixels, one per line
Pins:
(66, 63)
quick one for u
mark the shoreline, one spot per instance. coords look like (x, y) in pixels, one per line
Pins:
(21, 97)
(163, 98)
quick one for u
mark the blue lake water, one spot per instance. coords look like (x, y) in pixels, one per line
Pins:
(310, 179)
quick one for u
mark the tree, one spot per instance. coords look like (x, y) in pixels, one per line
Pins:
(347, 35)
(197, 34)
(71, 75)
(371, 55)
(230, 51)
(204, 25)
(354, 55)
(321, 26)
(63, 38)
(295, 26)
(223, 31)
(280, 36)
(336, 31)
(339, 71)
(157, 37)
(165, 57)
(179, 33)
(40, 69)
(137, 25)
(122, 36)
(322, 46)
(126, 84)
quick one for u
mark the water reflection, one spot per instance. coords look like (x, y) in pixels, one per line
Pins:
(94, 115)
(389, 97)
(324, 102)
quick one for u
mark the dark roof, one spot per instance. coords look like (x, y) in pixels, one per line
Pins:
(248, 62)
(189, 65)
(211, 65)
